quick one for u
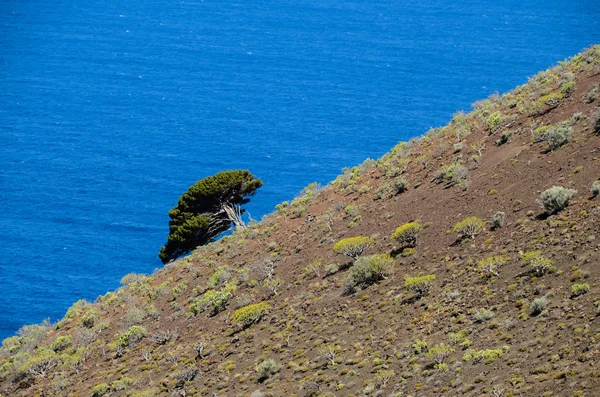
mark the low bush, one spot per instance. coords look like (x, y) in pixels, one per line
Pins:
(538, 305)
(469, 227)
(100, 390)
(61, 343)
(497, 220)
(251, 314)
(419, 347)
(488, 355)
(555, 199)
(212, 301)
(595, 188)
(39, 365)
(580, 289)
(331, 269)
(491, 265)
(131, 337)
(483, 315)
(419, 284)
(397, 186)
(266, 368)
(539, 264)
(368, 270)
(558, 136)
(353, 246)
(454, 174)
(408, 233)
(439, 353)
(121, 384)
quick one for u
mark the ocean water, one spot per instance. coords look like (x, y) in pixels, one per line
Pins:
(109, 110)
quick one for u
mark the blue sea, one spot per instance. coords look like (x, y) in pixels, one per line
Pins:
(109, 110)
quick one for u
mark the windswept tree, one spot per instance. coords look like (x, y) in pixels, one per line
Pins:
(206, 210)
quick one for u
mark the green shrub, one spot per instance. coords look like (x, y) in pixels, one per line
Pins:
(214, 301)
(567, 89)
(596, 122)
(497, 220)
(469, 227)
(480, 355)
(539, 264)
(558, 136)
(331, 269)
(446, 173)
(100, 390)
(538, 305)
(267, 368)
(483, 315)
(397, 186)
(491, 265)
(368, 270)
(419, 347)
(555, 199)
(419, 284)
(353, 246)
(121, 384)
(221, 275)
(61, 343)
(131, 337)
(494, 121)
(408, 233)
(89, 318)
(282, 207)
(580, 289)
(439, 353)
(596, 188)
(251, 314)
(39, 365)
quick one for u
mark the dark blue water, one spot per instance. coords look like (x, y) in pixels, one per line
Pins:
(109, 110)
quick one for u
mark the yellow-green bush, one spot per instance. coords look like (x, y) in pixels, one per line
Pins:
(41, 363)
(100, 390)
(367, 270)
(133, 335)
(408, 233)
(419, 284)
(353, 246)
(539, 264)
(469, 227)
(251, 314)
(580, 289)
(61, 343)
(491, 265)
(212, 300)
(488, 355)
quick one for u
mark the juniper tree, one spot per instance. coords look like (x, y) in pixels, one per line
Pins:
(207, 209)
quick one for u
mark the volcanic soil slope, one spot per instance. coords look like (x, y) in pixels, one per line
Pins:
(463, 262)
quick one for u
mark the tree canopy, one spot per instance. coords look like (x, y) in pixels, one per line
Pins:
(206, 210)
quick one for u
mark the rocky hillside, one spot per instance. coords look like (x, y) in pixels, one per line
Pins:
(463, 262)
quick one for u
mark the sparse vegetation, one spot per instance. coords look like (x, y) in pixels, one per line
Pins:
(513, 313)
